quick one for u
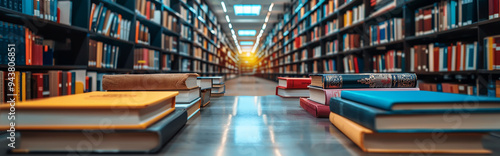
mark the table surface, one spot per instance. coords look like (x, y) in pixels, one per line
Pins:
(263, 125)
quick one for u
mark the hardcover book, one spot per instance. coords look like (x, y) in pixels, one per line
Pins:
(405, 121)
(420, 100)
(338, 81)
(315, 109)
(370, 141)
(323, 96)
(205, 97)
(86, 111)
(204, 83)
(136, 82)
(149, 140)
(294, 83)
(192, 107)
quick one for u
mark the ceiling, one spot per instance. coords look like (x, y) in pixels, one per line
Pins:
(247, 22)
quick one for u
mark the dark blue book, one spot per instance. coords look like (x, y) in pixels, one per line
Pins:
(416, 121)
(73, 82)
(48, 56)
(152, 138)
(420, 100)
(338, 81)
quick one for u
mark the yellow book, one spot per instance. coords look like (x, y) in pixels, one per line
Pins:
(370, 141)
(17, 87)
(23, 89)
(490, 53)
(94, 110)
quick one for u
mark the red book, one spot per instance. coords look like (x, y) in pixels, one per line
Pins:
(459, 56)
(449, 57)
(294, 83)
(284, 92)
(68, 91)
(496, 54)
(37, 53)
(148, 6)
(60, 83)
(490, 8)
(315, 109)
(356, 68)
(87, 81)
(39, 85)
(495, 8)
(436, 59)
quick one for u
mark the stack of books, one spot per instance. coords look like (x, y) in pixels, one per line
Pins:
(292, 87)
(123, 121)
(189, 91)
(327, 86)
(218, 86)
(205, 84)
(421, 122)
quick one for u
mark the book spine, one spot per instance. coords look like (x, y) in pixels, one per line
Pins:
(369, 81)
(297, 84)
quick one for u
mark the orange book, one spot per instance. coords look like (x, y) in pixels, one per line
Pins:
(94, 110)
(91, 16)
(99, 54)
(148, 7)
(137, 32)
(373, 142)
(119, 26)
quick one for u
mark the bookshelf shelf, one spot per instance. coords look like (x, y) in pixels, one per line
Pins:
(108, 39)
(116, 7)
(43, 68)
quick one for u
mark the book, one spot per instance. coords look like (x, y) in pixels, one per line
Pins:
(148, 140)
(294, 83)
(284, 92)
(187, 95)
(337, 81)
(216, 79)
(146, 59)
(315, 109)
(205, 96)
(370, 141)
(85, 111)
(457, 88)
(149, 81)
(65, 9)
(220, 88)
(192, 107)
(204, 83)
(414, 101)
(323, 96)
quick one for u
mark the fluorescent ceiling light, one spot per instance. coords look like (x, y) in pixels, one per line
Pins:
(267, 19)
(247, 32)
(223, 6)
(227, 19)
(246, 42)
(230, 26)
(264, 26)
(247, 9)
(271, 7)
(232, 31)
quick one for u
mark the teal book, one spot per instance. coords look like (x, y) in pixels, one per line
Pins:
(376, 80)
(418, 121)
(420, 100)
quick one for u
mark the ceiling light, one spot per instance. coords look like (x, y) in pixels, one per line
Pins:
(247, 9)
(247, 32)
(267, 19)
(264, 26)
(230, 26)
(227, 19)
(246, 42)
(223, 6)
(271, 7)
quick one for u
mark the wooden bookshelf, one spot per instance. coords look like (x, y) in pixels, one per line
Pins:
(273, 50)
(75, 55)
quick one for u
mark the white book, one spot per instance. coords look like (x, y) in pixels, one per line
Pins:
(462, 60)
(412, 60)
(453, 58)
(157, 17)
(474, 61)
(441, 58)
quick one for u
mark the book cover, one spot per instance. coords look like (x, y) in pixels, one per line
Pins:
(418, 100)
(149, 81)
(337, 81)
(323, 96)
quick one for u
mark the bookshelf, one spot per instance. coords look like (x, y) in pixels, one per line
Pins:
(155, 26)
(336, 18)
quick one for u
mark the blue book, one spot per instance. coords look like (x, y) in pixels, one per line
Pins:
(445, 59)
(453, 13)
(420, 100)
(422, 121)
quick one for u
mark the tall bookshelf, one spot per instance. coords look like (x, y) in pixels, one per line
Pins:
(320, 51)
(72, 41)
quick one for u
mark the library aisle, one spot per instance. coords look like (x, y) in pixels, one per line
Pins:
(250, 86)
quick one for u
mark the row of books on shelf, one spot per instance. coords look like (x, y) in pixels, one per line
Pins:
(382, 6)
(146, 59)
(103, 55)
(29, 48)
(169, 21)
(387, 31)
(356, 14)
(106, 22)
(351, 41)
(43, 9)
(330, 66)
(437, 57)
(330, 7)
(457, 88)
(30, 85)
(186, 32)
(148, 10)
(353, 64)
(444, 15)
(492, 52)
(331, 26)
(168, 43)
(332, 47)
(493, 9)
(391, 61)
(142, 34)
(185, 14)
